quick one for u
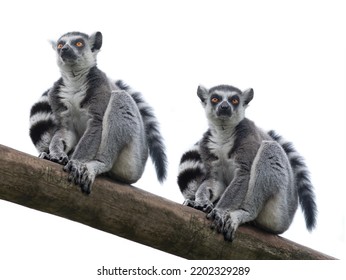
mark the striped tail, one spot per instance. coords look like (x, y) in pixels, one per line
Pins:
(302, 179)
(191, 172)
(154, 139)
(42, 124)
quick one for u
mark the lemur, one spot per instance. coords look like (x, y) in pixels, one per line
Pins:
(238, 173)
(92, 124)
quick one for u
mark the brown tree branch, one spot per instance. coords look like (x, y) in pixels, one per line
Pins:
(134, 214)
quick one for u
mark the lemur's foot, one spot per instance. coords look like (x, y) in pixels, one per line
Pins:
(205, 206)
(225, 222)
(60, 158)
(80, 175)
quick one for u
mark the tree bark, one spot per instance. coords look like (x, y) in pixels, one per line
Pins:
(134, 214)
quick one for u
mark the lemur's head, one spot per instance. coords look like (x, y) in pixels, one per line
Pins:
(225, 104)
(76, 49)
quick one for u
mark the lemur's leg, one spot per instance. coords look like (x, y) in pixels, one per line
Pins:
(209, 191)
(61, 143)
(123, 150)
(85, 150)
(270, 188)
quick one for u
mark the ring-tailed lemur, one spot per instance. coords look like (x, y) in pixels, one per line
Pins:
(92, 124)
(238, 173)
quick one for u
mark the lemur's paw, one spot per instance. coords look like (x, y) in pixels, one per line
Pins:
(218, 219)
(80, 175)
(231, 225)
(60, 158)
(225, 222)
(87, 180)
(205, 206)
(44, 155)
(75, 169)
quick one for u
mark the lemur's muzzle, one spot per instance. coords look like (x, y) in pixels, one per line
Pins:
(67, 53)
(224, 109)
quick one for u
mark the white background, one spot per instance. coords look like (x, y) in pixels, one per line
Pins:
(292, 53)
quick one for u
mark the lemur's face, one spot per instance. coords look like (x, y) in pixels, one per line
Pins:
(76, 50)
(73, 48)
(225, 103)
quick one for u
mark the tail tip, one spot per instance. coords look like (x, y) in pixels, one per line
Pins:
(161, 172)
(311, 218)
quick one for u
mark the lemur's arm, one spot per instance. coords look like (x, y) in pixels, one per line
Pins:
(96, 127)
(235, 191)
(231, 199)
(85, 151)
(88, 145)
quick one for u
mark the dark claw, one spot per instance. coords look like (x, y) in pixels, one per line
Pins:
(208, 208)
(63, 160)
(79, 175)
(86, 188)
(218, 220)
(189, 202)
(202, 206)
(212, 214)
(228, 232)
(67, 167)
(44, 155)
(229, 229)
(219, 223)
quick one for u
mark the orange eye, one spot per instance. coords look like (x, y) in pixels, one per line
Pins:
(215, 100)
(79, 44)
(60, 46)
(235, 101)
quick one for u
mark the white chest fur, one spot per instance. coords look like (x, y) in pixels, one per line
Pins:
(75, 117)
(221, 143)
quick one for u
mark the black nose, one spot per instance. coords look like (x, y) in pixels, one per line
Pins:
(224, 105)
(224, 109)
(65, 48)
(67, 53)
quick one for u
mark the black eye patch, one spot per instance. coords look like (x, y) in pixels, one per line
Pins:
(60, 44)
(215, 98)
(77, 41)
(234, 100)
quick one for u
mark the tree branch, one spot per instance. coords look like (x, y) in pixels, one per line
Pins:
(134, 214)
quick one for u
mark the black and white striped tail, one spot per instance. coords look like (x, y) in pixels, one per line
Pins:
(42, 124)
(191, 172)
(302, 179)
(157, 149)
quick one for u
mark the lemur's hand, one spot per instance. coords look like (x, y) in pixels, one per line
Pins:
(60, 158)
(80, 175)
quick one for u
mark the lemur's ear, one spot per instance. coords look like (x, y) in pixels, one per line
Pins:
(95, 41)
(248, 96)
(53, 44)
(202, 93)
